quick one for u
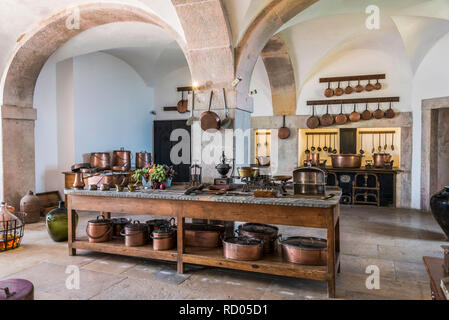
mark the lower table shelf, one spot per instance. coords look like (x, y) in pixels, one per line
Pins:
(117, 246)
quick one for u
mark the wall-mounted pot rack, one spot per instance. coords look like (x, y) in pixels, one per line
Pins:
(354, 78)
(378, 132)
(321, 133)
(352, 101)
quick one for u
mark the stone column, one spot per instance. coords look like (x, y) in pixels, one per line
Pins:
(17, 170)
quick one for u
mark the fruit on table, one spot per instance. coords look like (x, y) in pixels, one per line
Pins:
(162, 186)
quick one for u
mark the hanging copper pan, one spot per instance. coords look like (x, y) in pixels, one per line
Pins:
(313, 122)
(354, 116)
(327, 119)
(366, 115)
(341, 119)
(377, 85)
(209, 119)
(359, 88)
(182, 105)
(329, 92)
(349, 89)
(284, 132)
(339, 91)
(379, 114)
(389, 114)
(369, 87)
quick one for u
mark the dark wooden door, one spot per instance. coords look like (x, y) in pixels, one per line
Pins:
(163, 146)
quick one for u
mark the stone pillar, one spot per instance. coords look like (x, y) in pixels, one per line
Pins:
(17, 153)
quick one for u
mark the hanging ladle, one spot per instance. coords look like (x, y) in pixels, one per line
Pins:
(307, 150)
(386, 145)
(335, 145)
(374, 148)
(329, 150)
(392, 142)
(325, 144)
(226, 123)
(192, 119)
(313, 143)
(362, 152)
(319, 144)
(380, 143)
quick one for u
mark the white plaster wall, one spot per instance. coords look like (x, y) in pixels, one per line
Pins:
(431, 81)
(165, 94)
(263, 105)
(89, 103)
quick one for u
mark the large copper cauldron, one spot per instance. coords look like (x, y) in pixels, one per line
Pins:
(346, 160)
(243, 248)
(100, 160)
(305, 251)
(121, 158)
(380, 159)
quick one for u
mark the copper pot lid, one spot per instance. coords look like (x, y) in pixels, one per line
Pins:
(136, 226)
(122, 150)
(305, 243)
(158, 222)
(163, 231)
(100, 220)
(259, 228)
(93, 153)
(244, 241)
(121, 221)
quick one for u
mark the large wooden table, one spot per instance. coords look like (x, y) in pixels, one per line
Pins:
(304, 212)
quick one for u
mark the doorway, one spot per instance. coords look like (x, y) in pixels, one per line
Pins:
(164, 143)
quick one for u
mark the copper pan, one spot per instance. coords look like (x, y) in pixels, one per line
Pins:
(263, 232)
(284, 132)
(359, 88)
(366, 115)
(341, 119)
(209, 119)
(243, 248)
(354, 116)
(313, 122)
(378, 85)
(304, 250)
(329, 92)
(339, 91)
(203, 235)
(389, 114)
(379, 114)
(182, 104)
(346, 160)
(349, 89)
(327, 119)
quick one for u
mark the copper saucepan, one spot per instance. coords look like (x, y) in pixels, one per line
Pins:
(329, 92)
(354, 116)
(341, 119)
(327, 119)
(379, 113)
(209, 119)
(313, 122)
(366, 115)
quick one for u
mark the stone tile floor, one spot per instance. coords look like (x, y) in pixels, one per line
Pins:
(392, 239)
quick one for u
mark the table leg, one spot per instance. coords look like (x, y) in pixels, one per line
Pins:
(337, 242)
(181, 247)
(331, 258)
(71, 228)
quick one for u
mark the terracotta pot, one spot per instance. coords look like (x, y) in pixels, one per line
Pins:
(31, 205)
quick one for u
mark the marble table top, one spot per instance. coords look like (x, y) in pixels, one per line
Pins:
(178, 194)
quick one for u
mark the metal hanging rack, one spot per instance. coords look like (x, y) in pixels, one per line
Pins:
(352, 101)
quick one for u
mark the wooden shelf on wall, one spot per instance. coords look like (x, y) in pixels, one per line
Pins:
(352, 101)
(354, 78)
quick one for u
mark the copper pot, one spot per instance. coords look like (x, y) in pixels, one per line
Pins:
(121, 158)
(136, 234)
(313, 158)
(156, 224)
(304, 250)
(163, 239)
(118, 225)
(100, 160)
(380, 159)
(243, 248)
(111, 179)
(309, 181)
(99, 230)
(263, 232)
(78, 183)
(203, 235)
(346, 161)
(142, 159)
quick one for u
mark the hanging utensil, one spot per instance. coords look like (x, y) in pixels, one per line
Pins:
(325, 144)
(369, 87)
(349, 89)
(354, 116)
(341, 119)
(209, 119)
(313, 143)
(329, 150)
(182, 105)
(284, 132)
(359, 88)
(379, 114)
(335, 145)
(313, 122)
(374, 148)
(327, 119)
(329, 92)
(389, 114)
(392, 142)
(339, 91)
(319, 143)
(226, 123)
(307, 150)
(380, 143)
(192, 119)
(378, 85)
(386, 145)
(362, 152)
(366, 115)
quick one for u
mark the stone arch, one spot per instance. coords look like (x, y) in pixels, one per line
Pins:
(263, 27)
(35, 49)
(281, 76)
(17, 169)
